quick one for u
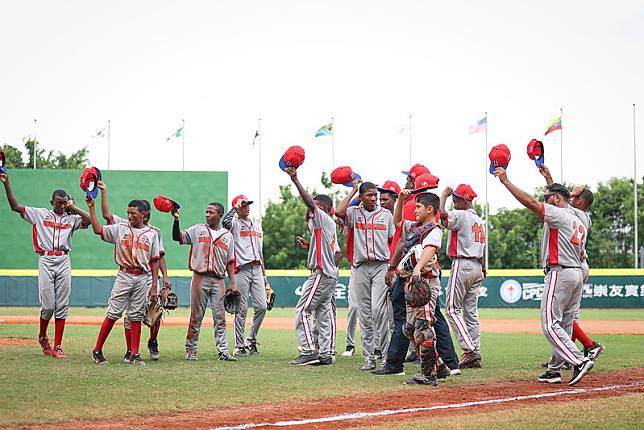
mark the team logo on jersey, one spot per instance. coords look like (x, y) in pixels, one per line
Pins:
(511, 291)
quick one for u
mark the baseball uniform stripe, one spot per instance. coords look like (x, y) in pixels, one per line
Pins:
(569, 355)
(333, 323)
(305, 314)
(458, 321)
(553, 247)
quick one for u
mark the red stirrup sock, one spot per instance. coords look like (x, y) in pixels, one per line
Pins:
(60, 329)
(578, 334)
(43, 327)
(135, 328)
(106, 328)
(128, 338)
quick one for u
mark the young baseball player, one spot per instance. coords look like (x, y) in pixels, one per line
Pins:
(212, 256)
(373, 231)
(52, 240)
(466, 246)
(250, 276)
(581, 198)
(352, 312)
(137, 253)
(420, 321)
(319, 289)
(562, 245)
(153, 343)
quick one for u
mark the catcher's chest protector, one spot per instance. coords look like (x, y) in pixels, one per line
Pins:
(416, 236)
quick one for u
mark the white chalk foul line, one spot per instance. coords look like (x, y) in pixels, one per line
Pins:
(388, 412)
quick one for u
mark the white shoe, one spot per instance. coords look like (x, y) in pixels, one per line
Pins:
(349, 352)
(454, 372)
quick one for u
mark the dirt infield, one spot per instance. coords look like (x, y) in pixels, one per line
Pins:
(17, 341)
(628, 327)
(379, 408)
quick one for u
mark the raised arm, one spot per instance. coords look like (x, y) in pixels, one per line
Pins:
(176, 229)
(341, 210)
(96, 226)
(308, 200)
(13, 203)
(398, 209)
(105, 207)
(545, 172)
(524, 198)
(227, 222)
(73, 209)
(446, 193)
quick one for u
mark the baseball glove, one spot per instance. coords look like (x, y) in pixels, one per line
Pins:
(153, 313)
(232, 301)
(270, 299)
(417, 292)
(169, 299)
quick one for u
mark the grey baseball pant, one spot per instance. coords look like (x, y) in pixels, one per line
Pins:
(369, 293)
(560, 300)
(462, 298)
(352, 317)
(317, 297)
(126, 316)
(206, 288)
(54, 285)
(332, 322)
(585, 272)
(129, 293)
(250, 281)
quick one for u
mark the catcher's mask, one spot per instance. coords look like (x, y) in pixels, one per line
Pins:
(409, 261)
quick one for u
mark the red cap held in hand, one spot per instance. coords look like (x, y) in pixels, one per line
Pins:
(344, 175)
(293, 157)
(536, 152)
(499, 157)
(164, 204)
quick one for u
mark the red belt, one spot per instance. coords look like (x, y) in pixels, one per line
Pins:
(132, 271)
(53, 252)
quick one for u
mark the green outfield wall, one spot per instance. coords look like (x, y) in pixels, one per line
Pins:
(193, 190)
(618, 288)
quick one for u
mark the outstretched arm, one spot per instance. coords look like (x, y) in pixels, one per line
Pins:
(227, 222)
(545, 172)
(15, 206)
(341, 210)
(105, 207)
(96, 226)
(524, 198)
(398, 209)
(308, 200)
(446, 193)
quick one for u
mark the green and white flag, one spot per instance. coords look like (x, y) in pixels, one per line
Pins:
(175, 135)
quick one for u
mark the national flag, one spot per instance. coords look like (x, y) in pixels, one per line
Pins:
(402, 129)
(554, 126)
(325, 130)
(102, 133)
(175, 135)
(256, 136)
(480, 125)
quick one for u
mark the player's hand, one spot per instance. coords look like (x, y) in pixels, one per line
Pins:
(153, 293)
(404, 194)
(416, 272)
(577, 190)
(175, 213)
(232, 287)
(448, 191)
(90, 202)
(356, 185)
(292, 172)
(484, 273)
(500, 173)
(389, 278)
(4, 178)
(167, 283)
(101, 186)
(302, 243)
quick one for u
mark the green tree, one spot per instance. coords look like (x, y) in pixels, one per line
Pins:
(13, 157)
(514, 239)
(49, 160)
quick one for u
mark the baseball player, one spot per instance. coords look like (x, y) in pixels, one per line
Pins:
(137, 253)
(212, 256)
(466, 246)
(319, 289)
(581, 198)
(373, 231)
(352, 312)
(52, 240)
(250, 276)
(153, 343)
(564, 236)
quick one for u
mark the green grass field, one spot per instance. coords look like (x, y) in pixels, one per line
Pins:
(38, 389)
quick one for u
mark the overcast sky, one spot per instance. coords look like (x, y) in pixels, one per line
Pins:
(146, 65)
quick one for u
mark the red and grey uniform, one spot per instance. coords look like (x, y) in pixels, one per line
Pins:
(211, 250)
(319, 289)
(134, 250)
(249, 277)
(52, 240)
(585, 270)
(419, 325)
(352, 313)
(372, 234)
(564, 236)
(465, 246)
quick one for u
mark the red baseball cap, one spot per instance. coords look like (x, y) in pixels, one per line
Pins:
(344, 175)
(499, 157)
(416, 170)
(3, 162)
(425, 182)
(89, 181)
(164, 204)
(464, 192)
(536, 152)
(293, 157)
(390, 187)
(241, 198)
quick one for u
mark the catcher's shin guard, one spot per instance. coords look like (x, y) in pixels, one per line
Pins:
(408, 331)
(427, 357)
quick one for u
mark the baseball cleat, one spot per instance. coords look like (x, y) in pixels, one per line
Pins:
(241, 352)
(191, 355)
(153, 347)
(550, 377)
(412, 358)
(378, 354)
(58, 352)
(99, 358)
(252, 349)
(471, 365)
(349, 351)
(386, 370)
(443, 371)
(304, 360)
(127, 356)
(323, 361)
(581, 371)
(136, 359)
(420, 379)
(369, 365)
(468, 359)
(44, 344)
(454, 372)
(594, 350)
(224, 356)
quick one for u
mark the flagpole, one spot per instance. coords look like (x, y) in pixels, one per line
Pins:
(410, 139)
(259, 169)
(35, 143)
(183, 145)
(635, 212)
(561, 141)
(109, 126)
(486, 210)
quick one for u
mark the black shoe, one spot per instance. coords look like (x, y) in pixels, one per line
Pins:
(385, 370)
(581, 371)
(412, 357)
(98, 357)
(323, 361)
(136, 359)
(241, 352)
(593, 351)
(153, 346)
(224, 356)
(550, 377)
(378, 354)
(304, 360)
(443, 371)
(420, 379)
(127, 356)
(252, 349)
